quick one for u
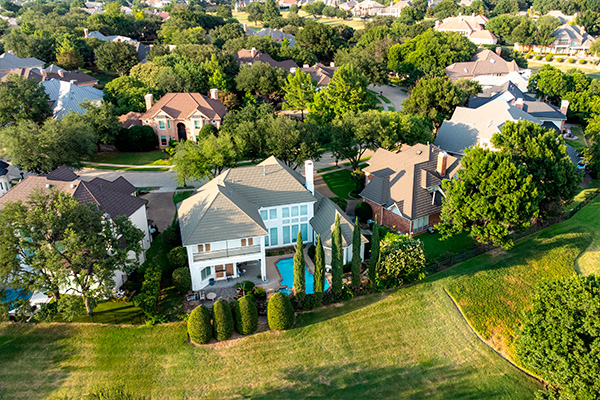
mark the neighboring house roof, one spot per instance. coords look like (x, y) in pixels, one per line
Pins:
(184, 105)
(324, 221)
(275, 34)
(563, 18)
(369, 4)
(320, 73)
(228, 206)
(251, 56)
(141, 49)
(573, 154)
(408, 179)
(349, 5)
(114, 198)
(9, 61)
(515, 77)
(40, 75)
(3, 168)
(130, 119)
(571, 33)
(484, 62)
(66, 96)
(483, 34)
(476, 126)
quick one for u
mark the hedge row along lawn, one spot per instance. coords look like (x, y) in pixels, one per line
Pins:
(493, 290)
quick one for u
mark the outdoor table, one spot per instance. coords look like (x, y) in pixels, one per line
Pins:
(211, 296)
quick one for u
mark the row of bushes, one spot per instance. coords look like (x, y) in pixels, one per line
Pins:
(242, 315)
(550, 57)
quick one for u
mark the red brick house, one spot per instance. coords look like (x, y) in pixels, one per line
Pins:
(404, 187)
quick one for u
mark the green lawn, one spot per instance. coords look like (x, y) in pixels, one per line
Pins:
(242, 17)
(347, 164)
(339, 182)
(140, 169)
(580, 142)
(437, 249)
(144, 158)
(178, 197)
(114, 312)
(583, 195)
(328, 169)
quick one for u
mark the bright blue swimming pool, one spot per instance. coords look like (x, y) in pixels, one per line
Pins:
(12, 295)
(286, 269)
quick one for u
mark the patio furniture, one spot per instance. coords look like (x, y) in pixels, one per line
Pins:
(211, 296)
(193, 297)
(211, 281)
(229, 277)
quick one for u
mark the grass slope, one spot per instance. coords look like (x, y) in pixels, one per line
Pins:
(142, 158)
(494, 290)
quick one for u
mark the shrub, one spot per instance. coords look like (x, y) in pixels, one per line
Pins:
(402, 259)
(137, 138)
(571, 60)
(363, 212)
(46, 313)
(247, 286)
(347, 267)
(342, 203)
(71, 306)
(358, 177)
(182, 280)
(560, 59)
(280, 313)
(172, 235)
(147, 299)
(260, 294)
(582, 61)
(198, 325)
(222, 321)
(207, 130)
(178, 257)
(246, 315)
(538, 57)
(549, 57)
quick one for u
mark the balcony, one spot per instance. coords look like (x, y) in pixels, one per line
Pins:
(231, 252)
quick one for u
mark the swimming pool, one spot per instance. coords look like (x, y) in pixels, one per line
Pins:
(12, 295)
(286, 269)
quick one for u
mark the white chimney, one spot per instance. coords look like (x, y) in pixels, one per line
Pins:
(309, 176)
(245, 27)
(519, 103)
(214, 94)
(73, 81)
(332, 64)
(253, 52)
(149, 100)
(293, 70)
(306, 66)
(61, 73)
(564, 106)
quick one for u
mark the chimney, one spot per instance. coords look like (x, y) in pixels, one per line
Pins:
(309, 176)
(305, 66)
(61, 73)
(441, 163)
(253, 52)
(293, 70)
(437, 24)
(519, 103)
(86, 32)
(214, 94)
(44, 74)
(499, 50)
(564, 106)
(10, 52)
(73, 81)
(245, 27)
(149, 101)
(332, 64)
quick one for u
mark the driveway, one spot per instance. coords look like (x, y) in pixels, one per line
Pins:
(394, 94)
(160, 209)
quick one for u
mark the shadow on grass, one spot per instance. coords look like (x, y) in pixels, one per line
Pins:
(31, 353)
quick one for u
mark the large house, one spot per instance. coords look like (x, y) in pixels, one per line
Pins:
(249, 57)
(320, 73)
(9, 62)
(274, 34)
(568, 39)
(68, 96)
(395, 9)
(471, 26)
(232, 220)
(178, 116)
(484, 63)
(114, 198)
(404, 187)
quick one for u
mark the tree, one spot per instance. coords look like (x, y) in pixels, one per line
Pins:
(182, 280)
(356, 260)
(550, 84)
(205, 159)
(319, 283)
(542, 153)
(255, 11)
(67, 246)
(590, 20)
(22, 99)
(546, 25)
(299, 266)
(347, 91)
(103, 121)
(524, 33)
(137, 138)
(198, 325)
(320, 39)
(375, 253)
(280, 312)
(291, 141)
(299, 92)
(43, 148)
(224, 11)
(116, 57)
(246, 315)
(368, 60)
(491, 198)
(337, 258)
(69, 59)
(222, 320)
(355, 133)
(592, 153)
(559, 337)
(195, 35)
(402, 259)
(261, 79)
(271, 11)
(127, 94)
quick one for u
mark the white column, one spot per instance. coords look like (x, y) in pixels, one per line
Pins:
(263, 268)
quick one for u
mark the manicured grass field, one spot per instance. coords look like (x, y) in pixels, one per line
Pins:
(437, 249)
(494, 289)
(144, 158)
(242, 17)
(113, 312)
(139, 169)
(340, 183)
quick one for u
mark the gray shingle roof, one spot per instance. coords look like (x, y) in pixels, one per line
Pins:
(324, 220)
(67, 96)
(10, 61)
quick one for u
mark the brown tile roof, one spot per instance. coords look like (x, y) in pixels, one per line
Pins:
(183, 105)
(320, 73)
(130, 119)
(251, 56)
(67, 76)
(484, 62)
(482, 34)
(408, 178)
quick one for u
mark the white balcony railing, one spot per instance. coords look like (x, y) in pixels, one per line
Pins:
(231, 252)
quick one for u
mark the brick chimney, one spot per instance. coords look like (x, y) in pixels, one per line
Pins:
(44, 74)
(61, 73)
(309, 176)
(564, 106)
(499, 50)
(519, 103)
(442, 161)
(149, 101)
(214, 94)
(86, 32)
(253, 52)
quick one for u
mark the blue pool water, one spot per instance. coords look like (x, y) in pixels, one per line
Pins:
(286, 269)
(12, 295)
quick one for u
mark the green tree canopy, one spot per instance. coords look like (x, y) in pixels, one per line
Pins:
(299, 267)
(261, 79)
(299, 92)
(319, 282)
(320, 39)
(116, 57)
(205, 159)
(337, 257)
(126, 94)
(23, 99)
(356, 260)
(402, 259)
(592, 153)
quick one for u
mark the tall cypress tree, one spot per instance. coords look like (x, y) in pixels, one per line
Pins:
(337, 258)
(299, 267)
(356, 255)
(374, 260)
(319, 267)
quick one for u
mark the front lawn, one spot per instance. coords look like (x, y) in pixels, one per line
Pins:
(113, 312)
(139, 169)
(437, 249)
(142, 158)
(579, 144)
(340, 183)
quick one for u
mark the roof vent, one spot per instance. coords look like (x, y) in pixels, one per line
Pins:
(493, 61)
(73, 185)
(419, 152)
(489, 123)
(48, 186)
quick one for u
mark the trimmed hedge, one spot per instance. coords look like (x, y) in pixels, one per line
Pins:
(549, 57)
(246, 315)
(582, 61)
(198, 325)
(178, 257)
(182, 280)
(363, 212)
(222, 321)
(560, 59)
(571, 60)
(280, 312)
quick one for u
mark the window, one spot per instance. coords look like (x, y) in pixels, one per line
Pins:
(273, 236)
(205, 273)
(285, 212)
(304, 210)
(163, 141)
(250, 241)
(295, 229)
(285, 221)
(294, 220)
(168, 124)
(161, 124)
(295, 211)
(243, 242)
(197, 124)
(273, 213)
(213, 122)
(286, 235)
(304, 230)
(264, 215)
(266, 241)
(200, 248)
(420, 224)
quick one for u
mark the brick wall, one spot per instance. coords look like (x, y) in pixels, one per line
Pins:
(395, 221)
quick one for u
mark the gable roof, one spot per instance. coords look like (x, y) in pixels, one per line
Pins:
(9, 61)
(324, 222)
(52, 72)
(67, 96)
(482, 34)
(320, 73)
(572, 33)
(484, 62)
(251, 56)
(183, 105)
(408, 179)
